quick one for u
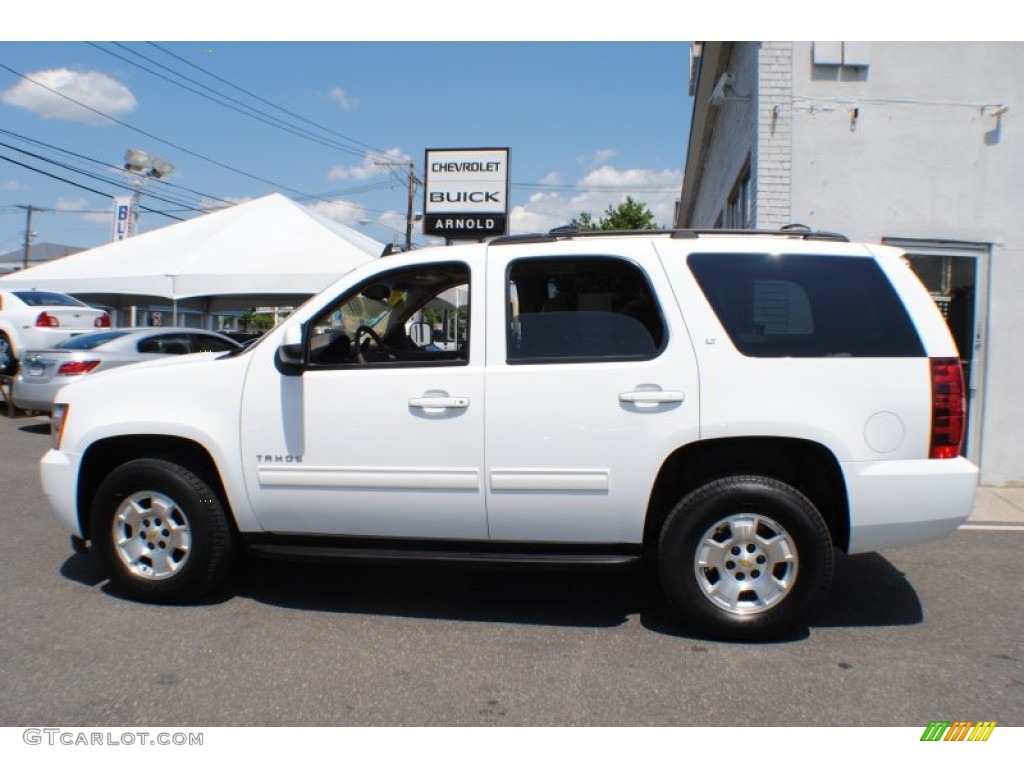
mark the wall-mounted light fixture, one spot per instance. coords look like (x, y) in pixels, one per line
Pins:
(723, 90)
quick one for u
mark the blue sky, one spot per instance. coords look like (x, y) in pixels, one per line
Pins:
(587, 123)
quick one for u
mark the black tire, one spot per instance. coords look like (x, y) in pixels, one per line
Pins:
(160, 532)
(765, 558)
(8, 364)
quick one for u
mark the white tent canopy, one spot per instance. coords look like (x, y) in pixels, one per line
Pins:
(264, 250)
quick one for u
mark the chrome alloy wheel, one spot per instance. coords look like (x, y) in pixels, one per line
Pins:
(152, 536)
(746, 563)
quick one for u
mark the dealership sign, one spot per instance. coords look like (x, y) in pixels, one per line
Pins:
(466, 193)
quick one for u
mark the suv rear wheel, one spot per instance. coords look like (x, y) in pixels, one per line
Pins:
(160, 531)
(744, 558)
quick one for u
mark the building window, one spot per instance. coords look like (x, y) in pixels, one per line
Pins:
(849, 54)
(738, 210)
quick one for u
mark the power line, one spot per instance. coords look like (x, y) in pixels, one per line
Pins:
(168, 142)
(359, 190)
(597, 187)
(96, 177)
(82, 186)
(244, 109)
(204, 196)
(66, 210)
(105, 165)
(269, 103)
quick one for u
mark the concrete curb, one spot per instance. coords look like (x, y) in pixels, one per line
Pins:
(998, 505)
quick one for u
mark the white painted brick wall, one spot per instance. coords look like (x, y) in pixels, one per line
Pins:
(774, 152)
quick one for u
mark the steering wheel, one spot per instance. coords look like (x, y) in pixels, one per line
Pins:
(363, 344)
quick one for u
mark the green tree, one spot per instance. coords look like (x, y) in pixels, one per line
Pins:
(629, 214)
(261, 321)
(584, 223)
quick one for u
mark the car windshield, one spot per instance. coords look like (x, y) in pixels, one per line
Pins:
(47, 299)
(90, 340)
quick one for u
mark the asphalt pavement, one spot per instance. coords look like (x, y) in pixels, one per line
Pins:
(903, 637)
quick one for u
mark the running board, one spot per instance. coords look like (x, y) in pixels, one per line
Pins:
(431, 551)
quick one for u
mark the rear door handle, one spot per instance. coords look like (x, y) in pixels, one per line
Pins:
(439, 402)
(654, 396)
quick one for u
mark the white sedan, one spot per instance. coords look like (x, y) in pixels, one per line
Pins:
(44, 372)
(39, 320)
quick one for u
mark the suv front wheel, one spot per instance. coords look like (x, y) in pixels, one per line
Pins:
(744, 558)
(160, 531)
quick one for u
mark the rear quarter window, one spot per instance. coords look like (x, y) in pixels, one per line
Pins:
(796, 305)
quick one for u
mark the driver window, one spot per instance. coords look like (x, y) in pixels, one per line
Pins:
(411, 316)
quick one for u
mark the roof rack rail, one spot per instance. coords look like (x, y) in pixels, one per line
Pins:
(800, 231)
(790, 230)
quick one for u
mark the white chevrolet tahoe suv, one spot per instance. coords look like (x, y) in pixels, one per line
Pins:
(730, 406)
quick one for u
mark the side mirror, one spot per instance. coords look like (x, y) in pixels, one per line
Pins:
(421, 334)
(291, 354)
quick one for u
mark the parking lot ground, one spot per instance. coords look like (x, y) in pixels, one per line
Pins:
(904, 637)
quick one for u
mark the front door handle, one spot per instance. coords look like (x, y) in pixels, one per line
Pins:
(652, 396)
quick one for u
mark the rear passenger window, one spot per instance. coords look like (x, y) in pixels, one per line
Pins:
(806, 306)
(581, 309)
(167, 344)
(203, 343)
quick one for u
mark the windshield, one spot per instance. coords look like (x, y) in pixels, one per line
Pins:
(359, 311)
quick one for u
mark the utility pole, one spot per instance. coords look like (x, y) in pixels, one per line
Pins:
(408, 212)
(412, 198)
(29, 209)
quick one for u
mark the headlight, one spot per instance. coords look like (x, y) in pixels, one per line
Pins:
(59, 417)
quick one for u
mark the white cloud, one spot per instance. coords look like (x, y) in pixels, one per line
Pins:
(342, 211)
(12, 185)
(369, 168)
(92, 88)
(602, 156)
(81, 204)
(595, 192)
(552, 178)
(641, 178)
(344, 100)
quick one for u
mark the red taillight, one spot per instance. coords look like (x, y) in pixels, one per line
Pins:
(46, 320)
(103, 321)
(77, 367)
(948, 408)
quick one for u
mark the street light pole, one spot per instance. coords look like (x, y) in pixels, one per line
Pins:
(143, 165)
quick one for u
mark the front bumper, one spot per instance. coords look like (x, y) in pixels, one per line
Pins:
(59, 474)
(899, 503)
